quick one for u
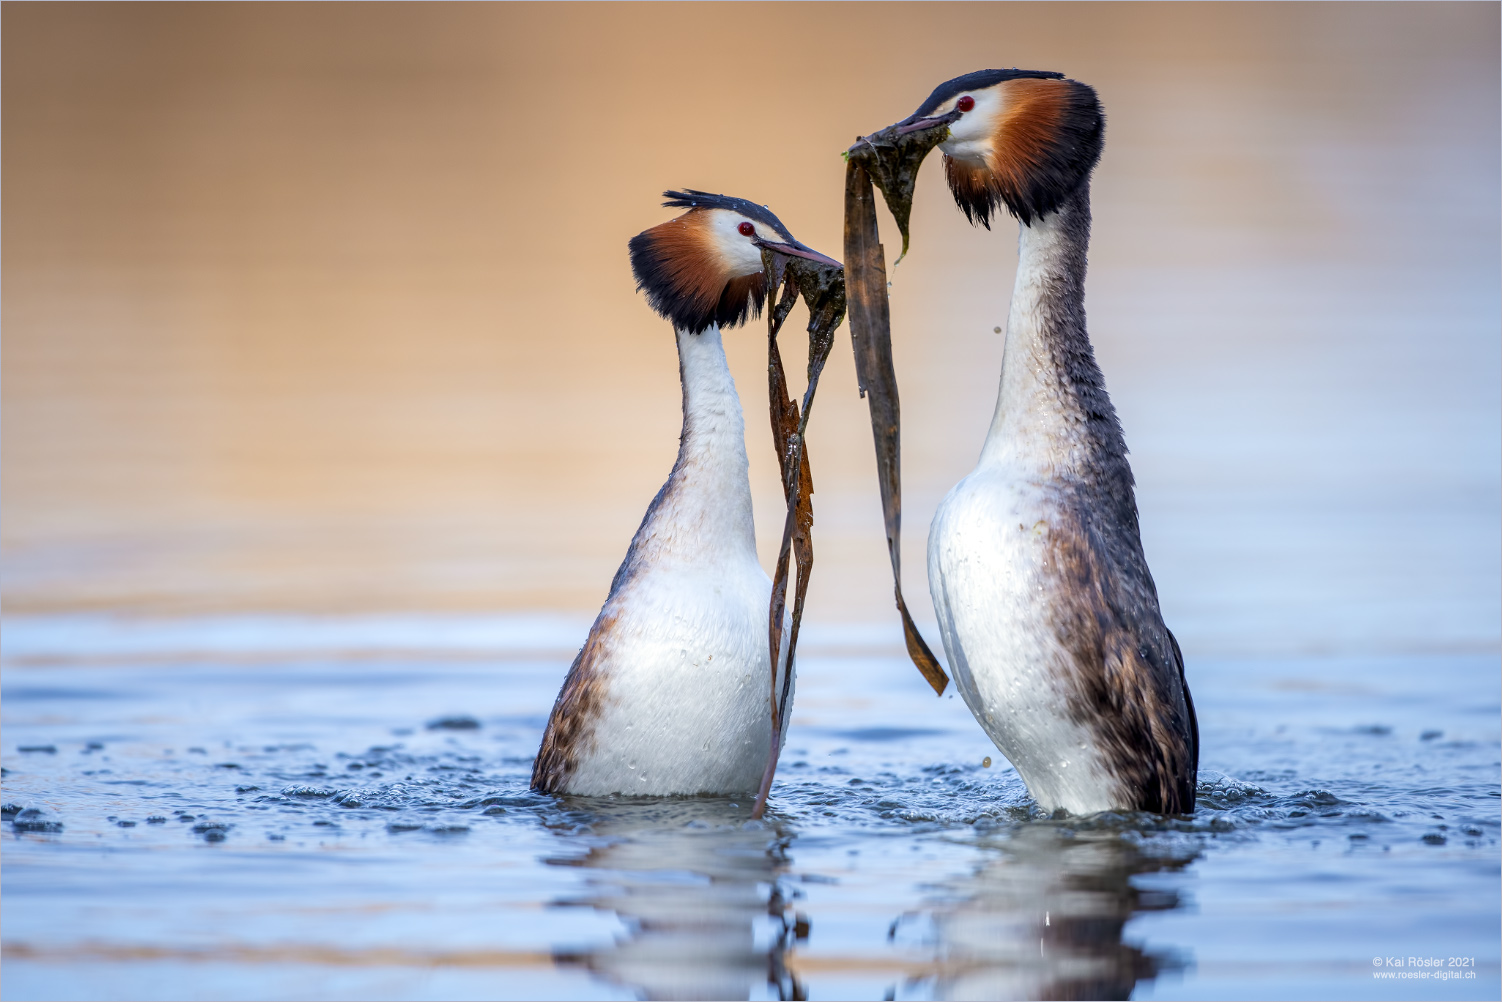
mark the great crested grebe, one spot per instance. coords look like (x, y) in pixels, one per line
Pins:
(1046, 606)
(669, 693)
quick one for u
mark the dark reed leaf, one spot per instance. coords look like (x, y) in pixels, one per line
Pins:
(871, 333)
(822, 287)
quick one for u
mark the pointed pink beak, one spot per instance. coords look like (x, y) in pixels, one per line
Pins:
(796, 249)
(919, 124)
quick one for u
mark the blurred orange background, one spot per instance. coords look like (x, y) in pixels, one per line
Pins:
(326, 307)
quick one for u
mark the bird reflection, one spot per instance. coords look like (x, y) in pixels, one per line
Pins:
(1044, 920)
(701, 898)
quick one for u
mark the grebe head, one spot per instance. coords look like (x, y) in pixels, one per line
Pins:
(1026, 139)
(705, 267)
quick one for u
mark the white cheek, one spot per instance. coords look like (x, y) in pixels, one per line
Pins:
(967, 150)
(741, 256)
(970, 138)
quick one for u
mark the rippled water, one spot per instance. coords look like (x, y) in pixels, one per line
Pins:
(283, 807)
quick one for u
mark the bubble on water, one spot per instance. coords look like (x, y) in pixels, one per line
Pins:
(308, 792)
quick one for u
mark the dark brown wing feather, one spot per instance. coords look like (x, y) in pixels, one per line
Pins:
(1129, 686)
(1194, 720)
(570, 732)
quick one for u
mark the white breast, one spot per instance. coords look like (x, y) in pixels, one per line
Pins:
(987, 552)
(680, 658)
(687, 706)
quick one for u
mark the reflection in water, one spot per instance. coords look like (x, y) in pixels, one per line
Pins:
(700, 895)
(1044, 920)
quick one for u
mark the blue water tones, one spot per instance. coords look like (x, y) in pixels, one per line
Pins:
(290, 808)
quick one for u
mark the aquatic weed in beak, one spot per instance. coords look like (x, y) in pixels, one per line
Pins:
(871, 334)
(822, 285)
(891, 158)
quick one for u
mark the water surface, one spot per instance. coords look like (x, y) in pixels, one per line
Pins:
(337, 811)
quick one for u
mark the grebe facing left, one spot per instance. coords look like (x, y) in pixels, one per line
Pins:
(1045, 602)
(669, 693)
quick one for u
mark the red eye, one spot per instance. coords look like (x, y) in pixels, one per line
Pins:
(965, 103)
(747, 230)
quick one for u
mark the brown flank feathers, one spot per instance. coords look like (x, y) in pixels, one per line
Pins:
(1128, 686)
(571, 726)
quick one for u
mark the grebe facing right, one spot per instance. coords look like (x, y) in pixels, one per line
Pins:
(1046, 606)
(669, 694)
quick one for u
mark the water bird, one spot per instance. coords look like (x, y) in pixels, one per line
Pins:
(669, 694)
(1046, 606)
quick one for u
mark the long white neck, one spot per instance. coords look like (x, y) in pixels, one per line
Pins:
(705, 507)
(1053, 416)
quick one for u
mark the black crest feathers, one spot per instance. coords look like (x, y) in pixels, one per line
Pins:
(691, 198)
(978, 80)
